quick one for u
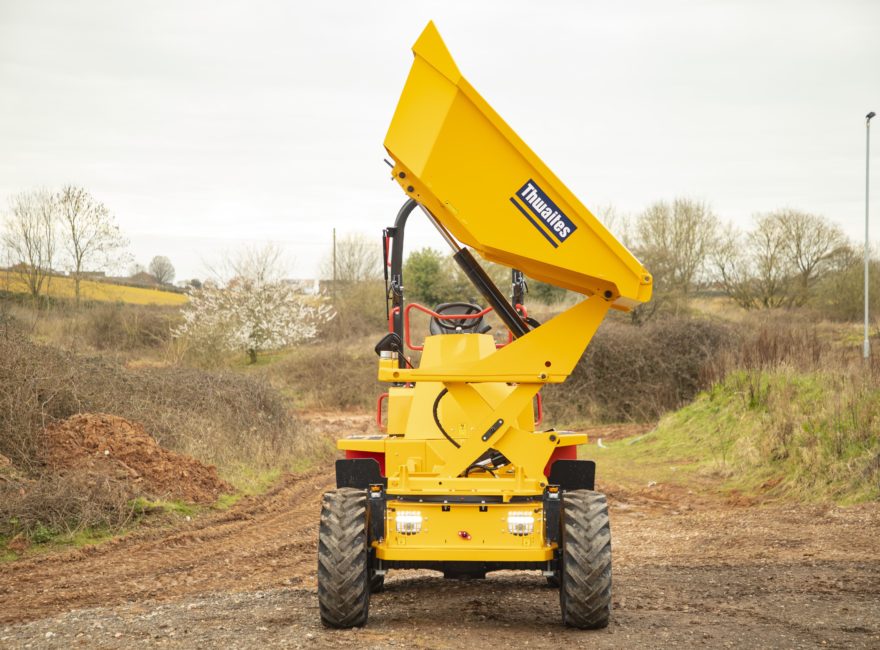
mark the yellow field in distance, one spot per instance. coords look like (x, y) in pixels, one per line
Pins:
(63, 287)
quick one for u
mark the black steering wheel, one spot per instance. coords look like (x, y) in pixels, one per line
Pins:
(458, 325)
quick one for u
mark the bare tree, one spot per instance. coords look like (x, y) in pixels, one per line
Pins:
(259, 264)
(30, 238)
(752, 268)
(675, 241)
(617, 223)
(358, 259)
(162, 269)
(136, 267)
(732, 267)
(778, 262)
(769, 280)
(90, 238)
(811, 243)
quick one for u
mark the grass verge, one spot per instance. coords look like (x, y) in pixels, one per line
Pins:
(810, 436)
(45, 539)
(49, 542)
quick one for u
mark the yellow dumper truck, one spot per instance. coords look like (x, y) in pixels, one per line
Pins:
(461, 480)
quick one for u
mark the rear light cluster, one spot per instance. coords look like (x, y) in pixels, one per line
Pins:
(520, 523)
(409, 522)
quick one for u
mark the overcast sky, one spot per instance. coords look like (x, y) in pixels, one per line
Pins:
(205, 125)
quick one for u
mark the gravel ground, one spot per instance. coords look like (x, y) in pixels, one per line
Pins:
(689, 570)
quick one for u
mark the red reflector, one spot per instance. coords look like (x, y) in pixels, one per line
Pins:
(464, 535)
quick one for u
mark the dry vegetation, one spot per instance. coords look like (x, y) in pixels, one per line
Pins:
(636, 374)
(787, 409)
(807, 401)
(237, 422)
(330, 376)
(221, 417)
(53, 504)
(98, 327)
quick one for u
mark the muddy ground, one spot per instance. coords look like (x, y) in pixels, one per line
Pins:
(689, 570)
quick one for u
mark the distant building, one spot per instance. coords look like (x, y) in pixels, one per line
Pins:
(24, 268)
(307, 286)
(89, 275)
(194, 283)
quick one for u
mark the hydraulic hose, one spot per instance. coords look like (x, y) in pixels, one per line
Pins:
(437, 418)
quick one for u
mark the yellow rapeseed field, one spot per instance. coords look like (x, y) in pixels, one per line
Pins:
(63, 287)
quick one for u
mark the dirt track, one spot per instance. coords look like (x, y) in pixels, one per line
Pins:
(689, 570)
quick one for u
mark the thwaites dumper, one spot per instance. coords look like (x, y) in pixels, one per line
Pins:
(461, 481)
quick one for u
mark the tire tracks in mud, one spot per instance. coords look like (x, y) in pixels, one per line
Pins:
(261, 542)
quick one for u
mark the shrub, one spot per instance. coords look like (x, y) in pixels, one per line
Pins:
(431, 278)
(330, 376)
(360, 311)
(638, 373)
(63, 503)
(117, 327)
(125, 327)
(840, 294)
(218, 417)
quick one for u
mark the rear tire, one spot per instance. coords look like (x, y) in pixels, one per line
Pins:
(585, 567)
(343, 559)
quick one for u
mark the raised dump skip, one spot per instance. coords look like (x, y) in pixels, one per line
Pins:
(456, 156)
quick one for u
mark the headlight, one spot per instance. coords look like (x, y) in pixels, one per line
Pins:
(409, 522)
(520, 523)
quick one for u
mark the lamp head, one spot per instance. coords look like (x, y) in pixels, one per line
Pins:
(870, 115)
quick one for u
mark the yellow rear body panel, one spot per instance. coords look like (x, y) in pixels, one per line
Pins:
(464, 534)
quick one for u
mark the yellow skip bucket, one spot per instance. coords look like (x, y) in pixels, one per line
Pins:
(456, 156)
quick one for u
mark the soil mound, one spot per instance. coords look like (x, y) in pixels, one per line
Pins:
(101, 442)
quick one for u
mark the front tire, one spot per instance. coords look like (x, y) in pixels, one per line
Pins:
(343, 559)
(585, 566)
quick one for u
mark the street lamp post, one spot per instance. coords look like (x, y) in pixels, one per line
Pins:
(867, 346)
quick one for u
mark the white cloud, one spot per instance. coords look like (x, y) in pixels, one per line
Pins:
(202, 124)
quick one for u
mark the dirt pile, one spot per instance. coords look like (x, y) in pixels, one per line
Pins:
(113, 445)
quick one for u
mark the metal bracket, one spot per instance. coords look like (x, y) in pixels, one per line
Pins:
(493, 429)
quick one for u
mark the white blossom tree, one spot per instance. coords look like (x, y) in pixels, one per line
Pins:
(252, 315)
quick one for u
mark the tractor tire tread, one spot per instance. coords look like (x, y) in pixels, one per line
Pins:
(585, 572)
(343, 579)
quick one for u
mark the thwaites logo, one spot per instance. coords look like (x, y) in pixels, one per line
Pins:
(543, 214)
